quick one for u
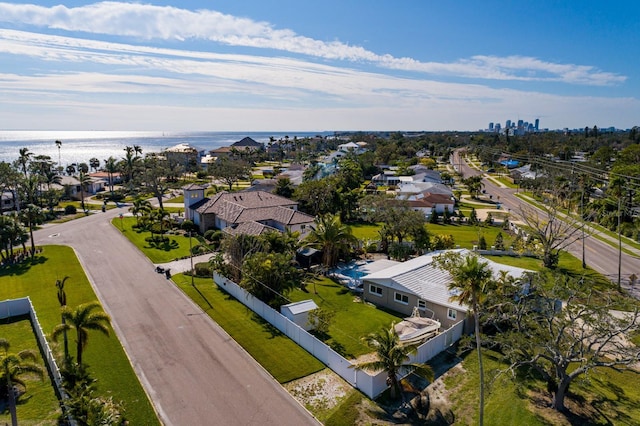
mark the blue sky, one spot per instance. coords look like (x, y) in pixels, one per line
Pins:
(317, 66)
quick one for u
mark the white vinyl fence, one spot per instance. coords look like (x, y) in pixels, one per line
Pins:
(23, 306)
(370, 385)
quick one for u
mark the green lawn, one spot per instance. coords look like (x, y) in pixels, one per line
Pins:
(278, 354)
(466, 236)
(504, 405)
(613, 396)
(105, 356)
(365, 231)
(179, 199)
(176, 248)
(353, 319)
(40, 404)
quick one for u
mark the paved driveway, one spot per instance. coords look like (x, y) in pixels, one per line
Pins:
(194, 373)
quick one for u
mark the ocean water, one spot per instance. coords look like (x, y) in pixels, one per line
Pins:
(80, 146)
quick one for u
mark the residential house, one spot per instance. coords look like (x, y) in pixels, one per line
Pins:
(71, 186)
(106, 177)
(7, 201)
(386, 178)
(184, 154)
(424, 174)
(349, 147)
(419, 283)
(427, 202)
(246, 144)
(245, 212)
(524, 172)
(409, 188)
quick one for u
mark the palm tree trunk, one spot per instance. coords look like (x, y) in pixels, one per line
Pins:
(66, 342)
(13, 411)
(79, 348)
(33, 244)
(476, 317)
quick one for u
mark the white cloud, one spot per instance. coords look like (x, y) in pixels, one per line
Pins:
(89, 83)
(146, 21)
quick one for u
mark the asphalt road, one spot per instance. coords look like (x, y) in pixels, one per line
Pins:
(194, 373)
(599, 255)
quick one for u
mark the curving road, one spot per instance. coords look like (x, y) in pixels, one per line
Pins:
(194, 373)
(599, 255)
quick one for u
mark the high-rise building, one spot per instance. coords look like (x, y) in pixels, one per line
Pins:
(508, 124)
(536, 126)
(491, 127)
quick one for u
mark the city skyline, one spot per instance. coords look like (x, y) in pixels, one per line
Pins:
(285, 66)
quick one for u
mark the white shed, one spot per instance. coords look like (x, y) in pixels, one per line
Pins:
(298, 312)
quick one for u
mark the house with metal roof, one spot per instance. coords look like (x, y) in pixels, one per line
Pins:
(419, 283)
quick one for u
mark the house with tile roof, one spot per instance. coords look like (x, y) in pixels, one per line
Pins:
(245, 144)
(419, 283)
(245, 212)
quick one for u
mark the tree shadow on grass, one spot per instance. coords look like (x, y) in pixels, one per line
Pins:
(326, 339)
(22, 267)
(266, 326)
(608, 407)
(166, 245)
(195, 287)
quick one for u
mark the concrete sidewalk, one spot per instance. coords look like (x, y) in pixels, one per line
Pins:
(183, 265)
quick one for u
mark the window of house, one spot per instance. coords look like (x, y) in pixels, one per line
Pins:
(401, 298)
(452, 313)
(422, 304)
(374, 289)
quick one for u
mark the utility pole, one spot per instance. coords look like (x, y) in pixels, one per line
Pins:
(191, 258)
(619, 243)
(584, 263)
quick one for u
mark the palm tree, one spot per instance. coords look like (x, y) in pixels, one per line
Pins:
(140, 207)
(51, 177)
(83, 167)
(62, 299)
(31, 187)
(159, 219)
(12, 233)
(83, 318)
(23, 160)
(13, 366)
(59, 145)
(138, 150)
(111, 167)
(474, 185)
(332, 237)
(392, 356)
(84, 180)
(94, 163)
(129, 163)
(470, 278)
(31, 216)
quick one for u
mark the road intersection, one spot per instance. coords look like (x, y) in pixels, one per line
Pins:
(599, 255)
(192, 370)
